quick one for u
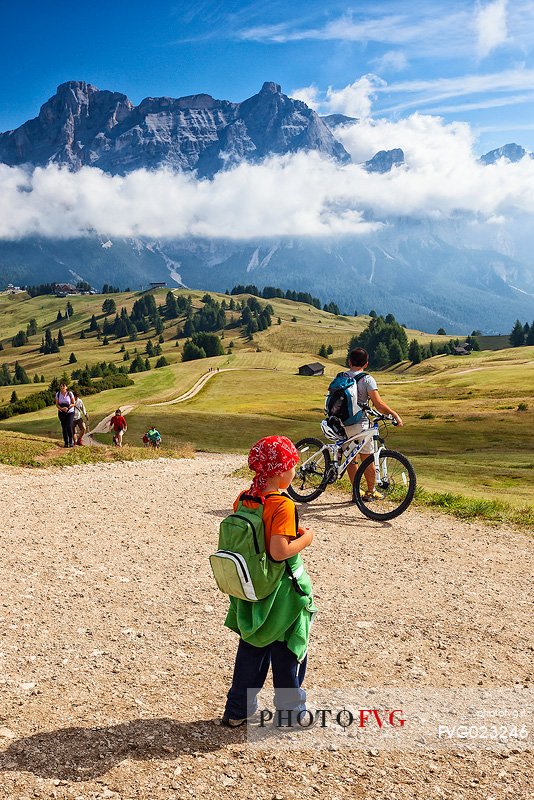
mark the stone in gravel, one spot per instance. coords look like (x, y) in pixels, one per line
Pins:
(7, 733)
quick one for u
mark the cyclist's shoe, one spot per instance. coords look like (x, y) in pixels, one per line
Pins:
(374, 495)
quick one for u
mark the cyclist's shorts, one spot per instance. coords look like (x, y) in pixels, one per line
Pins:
(352, 430)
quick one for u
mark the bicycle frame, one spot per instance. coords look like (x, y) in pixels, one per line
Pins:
(356, 443)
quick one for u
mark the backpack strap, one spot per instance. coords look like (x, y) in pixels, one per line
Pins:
(253, 498)
(260, 499)
(296, 585)
(357, 377)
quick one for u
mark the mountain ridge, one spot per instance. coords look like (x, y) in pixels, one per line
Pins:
(82, 125)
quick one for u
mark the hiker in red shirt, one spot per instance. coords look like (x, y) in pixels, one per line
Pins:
(118, 423)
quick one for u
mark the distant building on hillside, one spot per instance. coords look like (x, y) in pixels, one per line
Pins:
(158, 285)
(13, 289)
(63, 289)
(311, 369)
(462, 350)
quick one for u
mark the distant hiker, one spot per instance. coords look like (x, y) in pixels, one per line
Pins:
(65, 412)
(79, 427)
(274, 630)
(153, 437)
(119, 426)
(367, 390)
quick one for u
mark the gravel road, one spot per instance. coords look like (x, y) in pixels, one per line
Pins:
(114, 662)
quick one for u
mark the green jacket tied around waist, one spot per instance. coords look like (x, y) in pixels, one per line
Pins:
(283, 616)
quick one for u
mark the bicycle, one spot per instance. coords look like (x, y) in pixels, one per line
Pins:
(322, 464)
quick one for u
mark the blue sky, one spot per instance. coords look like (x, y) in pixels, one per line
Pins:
(461, 60)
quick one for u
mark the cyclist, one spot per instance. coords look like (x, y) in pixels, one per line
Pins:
(358, 362)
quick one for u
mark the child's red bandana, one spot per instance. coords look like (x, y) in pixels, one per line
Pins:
(271, 456)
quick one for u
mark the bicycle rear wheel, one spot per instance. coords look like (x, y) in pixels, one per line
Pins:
(394, 490)
(311, 477)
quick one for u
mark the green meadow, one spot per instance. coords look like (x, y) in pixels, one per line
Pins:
(469, 421)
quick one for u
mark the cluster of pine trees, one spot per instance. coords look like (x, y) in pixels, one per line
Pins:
(271, 292)
(202, 345)
(103, 369)
(21, 338)
(386, 342)
(211, 317)
(255, 317)
(145, 315)
(19, 375)
(69, 311)
(326, 350)
(51, 345)
(521, 334)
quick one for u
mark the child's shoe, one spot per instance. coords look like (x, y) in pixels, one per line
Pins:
(281, 721)
(228, 722)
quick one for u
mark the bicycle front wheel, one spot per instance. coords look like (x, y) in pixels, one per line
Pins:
(394, 488)
(311, 476)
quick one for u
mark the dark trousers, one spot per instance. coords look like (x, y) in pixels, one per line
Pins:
(67, 421)
(250, 671)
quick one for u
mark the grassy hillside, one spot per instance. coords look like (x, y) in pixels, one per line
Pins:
(305, 335)
(463, 429)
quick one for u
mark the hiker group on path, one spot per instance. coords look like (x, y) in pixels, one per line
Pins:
(71, 412)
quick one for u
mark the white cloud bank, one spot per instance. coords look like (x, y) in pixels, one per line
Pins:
(295, 195)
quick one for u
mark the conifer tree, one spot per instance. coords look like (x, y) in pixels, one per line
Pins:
(517, 335)
(414, 352)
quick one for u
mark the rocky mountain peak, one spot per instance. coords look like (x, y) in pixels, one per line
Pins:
(512, 151)
(338, 120)
(74, 87)
(385, 160)
(271, 88)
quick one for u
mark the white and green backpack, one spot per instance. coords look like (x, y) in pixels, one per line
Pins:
(241, 566)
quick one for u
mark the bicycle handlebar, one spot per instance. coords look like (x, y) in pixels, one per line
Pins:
(378, 415)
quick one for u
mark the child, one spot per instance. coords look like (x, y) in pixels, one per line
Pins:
(79, 427)
(273, 631)
(118, 423)
(154, 436)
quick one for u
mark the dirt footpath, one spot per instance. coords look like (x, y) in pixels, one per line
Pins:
(114, 662)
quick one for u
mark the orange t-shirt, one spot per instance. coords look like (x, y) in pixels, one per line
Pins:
(279, 516)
